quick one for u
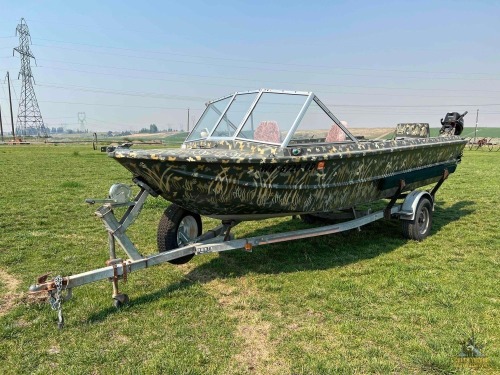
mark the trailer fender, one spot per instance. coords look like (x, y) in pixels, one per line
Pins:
(410, 203)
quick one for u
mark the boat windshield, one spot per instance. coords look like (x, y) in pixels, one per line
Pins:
(209, 119)
(270, 116)
(317, 126)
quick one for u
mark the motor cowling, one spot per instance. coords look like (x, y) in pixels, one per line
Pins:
(453, 123)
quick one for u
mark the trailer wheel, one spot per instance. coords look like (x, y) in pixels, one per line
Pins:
(177, 227)
(420, 227)
(308, 218)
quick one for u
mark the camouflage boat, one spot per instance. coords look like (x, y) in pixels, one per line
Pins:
(271, 153)
(261, 154)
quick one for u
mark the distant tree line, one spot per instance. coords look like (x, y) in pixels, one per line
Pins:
(152, 129)
(61, 130)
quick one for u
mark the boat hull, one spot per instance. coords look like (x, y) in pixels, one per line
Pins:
(236, 181)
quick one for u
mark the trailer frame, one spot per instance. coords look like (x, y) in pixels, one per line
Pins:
(219, 239)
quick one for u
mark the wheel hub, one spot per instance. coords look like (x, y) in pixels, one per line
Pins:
(188, 230)
(423, 220)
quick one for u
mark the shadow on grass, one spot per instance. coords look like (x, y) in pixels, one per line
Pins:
(317, 253)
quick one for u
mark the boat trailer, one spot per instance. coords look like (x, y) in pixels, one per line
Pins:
(415, 212)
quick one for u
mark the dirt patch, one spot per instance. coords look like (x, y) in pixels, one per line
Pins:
(10, 298)
(257, 355)
(121, 339)
(201, 276)
(240, 302)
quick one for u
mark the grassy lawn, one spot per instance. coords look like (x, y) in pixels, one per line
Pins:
(482, 132)
(360, 302)
(468, 132)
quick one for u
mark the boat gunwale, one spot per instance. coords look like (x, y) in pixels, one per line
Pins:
(325, 151)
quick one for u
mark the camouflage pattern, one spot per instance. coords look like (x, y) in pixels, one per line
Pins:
(248, 180)
(412, 130)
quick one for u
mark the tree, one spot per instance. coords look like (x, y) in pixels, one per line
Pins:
(153, 128)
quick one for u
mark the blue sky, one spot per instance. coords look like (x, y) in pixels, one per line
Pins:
(375, 64)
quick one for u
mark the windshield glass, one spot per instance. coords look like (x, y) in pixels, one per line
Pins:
(208, 119)
(316, 126)
(272, 117)
(234, 115)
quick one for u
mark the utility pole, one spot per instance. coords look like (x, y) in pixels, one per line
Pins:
(475, 131)
(188, 120)
(11, 115)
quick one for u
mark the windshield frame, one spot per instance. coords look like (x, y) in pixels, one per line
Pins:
(310, 97)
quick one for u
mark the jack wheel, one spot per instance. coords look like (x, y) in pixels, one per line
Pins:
(120, 300)
(420, 227)
(177, 228)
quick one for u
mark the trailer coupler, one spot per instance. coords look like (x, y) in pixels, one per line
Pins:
(54, 292)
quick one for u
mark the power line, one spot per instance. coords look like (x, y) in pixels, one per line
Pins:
(132, 77)
(226, 85)
(113, 105)
(414, 106)
(264, 68)
(253, 80)
(114, 92)
(191, 98)
(242, 79)
(358, 109)
(264, 62)
(332, 105)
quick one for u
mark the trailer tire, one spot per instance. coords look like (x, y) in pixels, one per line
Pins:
(420, 227)
(308, 218)
(176, 222)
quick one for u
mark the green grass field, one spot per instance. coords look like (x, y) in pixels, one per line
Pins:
(468, 132)
(176, 138)
(361, 302)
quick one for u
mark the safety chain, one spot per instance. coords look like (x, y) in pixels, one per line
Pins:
(56, 300)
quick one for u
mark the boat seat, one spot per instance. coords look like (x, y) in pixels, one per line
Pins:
(267, 131)
(335, 134)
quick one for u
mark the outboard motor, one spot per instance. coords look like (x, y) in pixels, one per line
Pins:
(453, 123)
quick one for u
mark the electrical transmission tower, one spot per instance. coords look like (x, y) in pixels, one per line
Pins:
(82, 121)
(29, 118)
